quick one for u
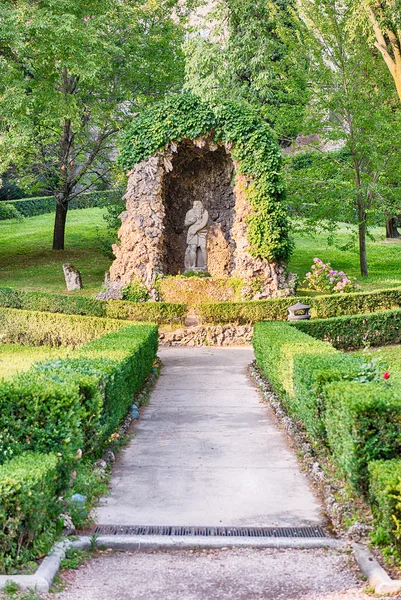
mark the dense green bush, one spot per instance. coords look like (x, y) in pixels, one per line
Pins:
(363, 424)
(30, 207)
(242, 313)
(155, 312)
(35, 328)
(385, 498)
(41, 414)
(336, 305)
(376, 329)
(358, 422)
(9, 211)
(277, 346)
(61, 406)
(28, 506)
(109, 371)
(276, 309)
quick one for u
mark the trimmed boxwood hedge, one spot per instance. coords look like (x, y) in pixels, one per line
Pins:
(154, 312)
(58, 407)
(276, 309)
(29, 489)
(356, 331)
(385, 498)
(30, 207)
(363, 424)
(35, 328)
(357, 422)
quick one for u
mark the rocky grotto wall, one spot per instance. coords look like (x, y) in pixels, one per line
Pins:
(152, 236)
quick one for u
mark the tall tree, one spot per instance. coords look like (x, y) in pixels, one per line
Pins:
(355, 104)
(384, 19)
(71, 75)
(252, 50)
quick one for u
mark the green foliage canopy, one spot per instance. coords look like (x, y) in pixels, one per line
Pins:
(255, 150)
(252, 51)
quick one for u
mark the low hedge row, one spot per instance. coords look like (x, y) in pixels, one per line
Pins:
(154, 312)
(30, 207)
(357, 331)
(35, 328)
(385, 498)
(276, 309)
(29, 487)
(58, 407)
(65, 404)
(357, 422)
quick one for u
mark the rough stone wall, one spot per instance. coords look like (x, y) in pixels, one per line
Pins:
(152, 236)
(140, 252)
(219, 335)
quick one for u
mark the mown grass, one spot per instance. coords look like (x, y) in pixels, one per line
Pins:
(28, 262)
(15, 358)
(384, 258)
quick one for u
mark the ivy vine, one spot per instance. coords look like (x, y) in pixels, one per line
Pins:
(255, 149)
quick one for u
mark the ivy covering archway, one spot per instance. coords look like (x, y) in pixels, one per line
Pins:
(253, 147)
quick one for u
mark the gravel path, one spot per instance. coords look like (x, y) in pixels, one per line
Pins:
(232, 574)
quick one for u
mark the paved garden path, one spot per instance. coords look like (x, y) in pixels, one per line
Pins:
(207, 452)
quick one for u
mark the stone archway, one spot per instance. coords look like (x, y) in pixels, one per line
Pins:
(161, 189)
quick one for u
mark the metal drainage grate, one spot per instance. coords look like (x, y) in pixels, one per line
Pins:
(267, 532)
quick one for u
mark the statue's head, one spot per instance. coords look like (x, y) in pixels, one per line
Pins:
(198, 207)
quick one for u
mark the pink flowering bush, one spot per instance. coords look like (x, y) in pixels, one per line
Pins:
(323, 278)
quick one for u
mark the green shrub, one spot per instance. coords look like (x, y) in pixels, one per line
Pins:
(363, 423)
(65, 404)
(385, 497)
(358, 422)
(28, 507)
(353, 304)
(9, 211)
(311, 374)
(36, 328)
(41, 414)
(276, 309)
(30, 207)
(276, 347)
(135, 291)
(155, 312)
(241, 313)
(376, 329)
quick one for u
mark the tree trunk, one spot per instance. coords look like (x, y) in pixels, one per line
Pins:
(59, 222)
(361, 219)
(362, 243)
(391, 228)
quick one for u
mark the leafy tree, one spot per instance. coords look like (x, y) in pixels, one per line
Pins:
(384, 19)
(253, 51)
(354, 104)
(71, 75)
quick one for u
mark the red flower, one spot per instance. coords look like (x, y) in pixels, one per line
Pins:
(386, 375)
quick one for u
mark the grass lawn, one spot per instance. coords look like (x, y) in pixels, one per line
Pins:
(384, 258)
(389, 357)
(27, 260)
(15, 358)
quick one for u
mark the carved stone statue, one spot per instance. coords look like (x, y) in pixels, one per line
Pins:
(197, 219)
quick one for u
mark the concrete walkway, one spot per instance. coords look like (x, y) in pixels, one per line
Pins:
(207, 452)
